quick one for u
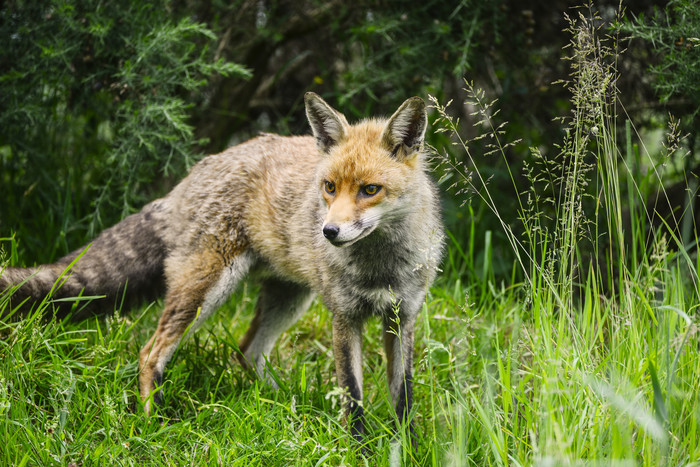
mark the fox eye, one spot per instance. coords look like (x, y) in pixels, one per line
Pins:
(371, 190)
(330, 187)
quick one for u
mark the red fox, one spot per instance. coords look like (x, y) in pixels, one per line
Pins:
(350, 214)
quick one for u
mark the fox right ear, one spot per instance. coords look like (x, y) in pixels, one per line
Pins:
(404, 133)
(327, 124)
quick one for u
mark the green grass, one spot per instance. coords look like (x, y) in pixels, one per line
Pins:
(505, 383)
(588, 353)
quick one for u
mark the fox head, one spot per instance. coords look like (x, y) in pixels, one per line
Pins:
(368, 176)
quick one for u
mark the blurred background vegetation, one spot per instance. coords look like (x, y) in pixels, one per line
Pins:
(104, 105)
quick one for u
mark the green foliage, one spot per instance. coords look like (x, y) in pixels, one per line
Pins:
(418, 45)
(674, 33)
(582, 361)
(94, 108)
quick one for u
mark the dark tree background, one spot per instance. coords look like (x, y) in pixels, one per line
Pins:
(104, 105)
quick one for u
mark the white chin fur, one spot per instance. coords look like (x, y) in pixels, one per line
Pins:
(348, 240)
(350, 232)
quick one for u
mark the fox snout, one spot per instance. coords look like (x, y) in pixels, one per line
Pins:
(330, 231)
(342, 234)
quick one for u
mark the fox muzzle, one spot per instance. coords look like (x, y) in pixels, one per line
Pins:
(330, 231)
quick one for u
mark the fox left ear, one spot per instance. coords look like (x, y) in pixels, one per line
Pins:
(327, 124)
(404, 133)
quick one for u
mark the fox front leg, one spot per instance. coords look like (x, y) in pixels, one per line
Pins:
(347, 350)
(398, 346)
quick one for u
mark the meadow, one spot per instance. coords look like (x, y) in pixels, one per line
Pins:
(585, 352)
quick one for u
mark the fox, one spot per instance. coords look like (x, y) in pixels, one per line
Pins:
(349, 214)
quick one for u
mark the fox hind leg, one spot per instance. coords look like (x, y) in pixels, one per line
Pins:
(280, 304)
(197, 286)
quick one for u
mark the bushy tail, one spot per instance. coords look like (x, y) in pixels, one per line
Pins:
(123, 265)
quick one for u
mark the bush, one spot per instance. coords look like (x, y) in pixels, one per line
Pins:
(94, 107)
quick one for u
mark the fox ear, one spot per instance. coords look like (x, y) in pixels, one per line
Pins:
(404, 133)
(327, 124)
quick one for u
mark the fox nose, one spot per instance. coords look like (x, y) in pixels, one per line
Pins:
(330, 231)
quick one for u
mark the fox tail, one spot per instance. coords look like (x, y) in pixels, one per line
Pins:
(122, 266)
